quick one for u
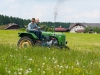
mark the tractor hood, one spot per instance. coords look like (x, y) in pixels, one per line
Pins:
(53, 34)
(60, 36)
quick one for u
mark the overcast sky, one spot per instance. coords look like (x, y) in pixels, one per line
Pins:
(67, 10)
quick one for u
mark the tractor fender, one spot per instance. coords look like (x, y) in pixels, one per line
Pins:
(31, 35)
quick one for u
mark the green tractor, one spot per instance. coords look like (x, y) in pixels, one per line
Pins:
(28, 39)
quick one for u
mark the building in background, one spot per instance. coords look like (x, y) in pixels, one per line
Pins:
(77, 27)
(12, 26)
(60, 29)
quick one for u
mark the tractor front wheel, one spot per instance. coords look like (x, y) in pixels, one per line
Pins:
(25, 42)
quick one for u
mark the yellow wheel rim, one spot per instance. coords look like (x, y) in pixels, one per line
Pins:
(25, 43)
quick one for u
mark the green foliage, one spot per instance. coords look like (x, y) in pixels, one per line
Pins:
(92, 29)
(87, 29)
(6, 20)
(57, 24)
(96, 29)
(48, 25)
(82, 59)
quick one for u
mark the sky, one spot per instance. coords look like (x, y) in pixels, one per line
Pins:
(87, 11)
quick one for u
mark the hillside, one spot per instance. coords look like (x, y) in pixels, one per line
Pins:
(2, 27)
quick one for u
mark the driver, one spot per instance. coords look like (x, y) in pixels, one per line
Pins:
(32, 27)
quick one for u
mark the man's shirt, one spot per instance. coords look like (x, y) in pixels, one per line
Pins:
(32, 26)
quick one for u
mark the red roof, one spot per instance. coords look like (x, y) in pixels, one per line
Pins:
(60, 29)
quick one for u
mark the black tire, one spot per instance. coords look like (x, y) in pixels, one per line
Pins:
(25, 42)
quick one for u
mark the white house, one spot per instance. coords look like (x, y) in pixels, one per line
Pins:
(77, 27)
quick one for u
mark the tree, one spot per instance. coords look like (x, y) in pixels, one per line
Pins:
(96, 29)
(88, 29)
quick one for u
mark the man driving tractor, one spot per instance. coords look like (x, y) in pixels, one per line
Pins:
(33, 28)
(41, 38)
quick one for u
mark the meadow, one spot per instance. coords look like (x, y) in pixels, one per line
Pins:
(83, 58)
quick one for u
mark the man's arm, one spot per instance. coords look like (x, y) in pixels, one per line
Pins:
(37, 26)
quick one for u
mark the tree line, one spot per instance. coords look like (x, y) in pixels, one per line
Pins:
(55, 24)
(4, 20)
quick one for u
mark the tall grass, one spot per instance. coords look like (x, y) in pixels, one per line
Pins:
(82, 59)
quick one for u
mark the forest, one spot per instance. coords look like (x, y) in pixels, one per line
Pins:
(4, 20)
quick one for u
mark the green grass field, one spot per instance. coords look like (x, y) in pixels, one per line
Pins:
(82, 59)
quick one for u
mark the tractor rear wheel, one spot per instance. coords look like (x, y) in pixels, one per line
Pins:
(25, 42)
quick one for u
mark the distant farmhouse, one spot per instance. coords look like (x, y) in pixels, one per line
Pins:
(12, 26)
(77, 27)
(80, 27)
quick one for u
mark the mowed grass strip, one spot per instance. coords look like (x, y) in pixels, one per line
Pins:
(82, 59)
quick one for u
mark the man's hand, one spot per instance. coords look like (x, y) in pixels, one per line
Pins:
(39, 28)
